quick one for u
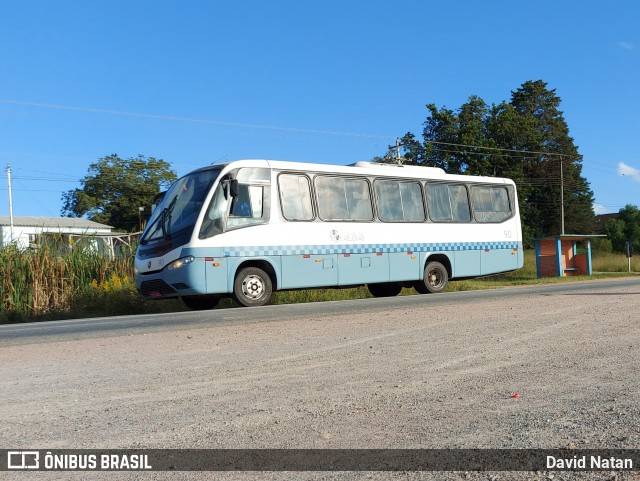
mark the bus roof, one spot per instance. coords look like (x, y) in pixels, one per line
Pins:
(359, 168)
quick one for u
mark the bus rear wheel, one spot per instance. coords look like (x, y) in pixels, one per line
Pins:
(435, 279)
(200, 303)
(385, 289)
(252, 287)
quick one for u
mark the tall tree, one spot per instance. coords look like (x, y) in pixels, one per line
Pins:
(114, 189)
(544, 129)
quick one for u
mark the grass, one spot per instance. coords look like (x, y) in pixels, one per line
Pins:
(49, 283)
(614, 262)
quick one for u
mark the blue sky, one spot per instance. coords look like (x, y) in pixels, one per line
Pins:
(197, 82)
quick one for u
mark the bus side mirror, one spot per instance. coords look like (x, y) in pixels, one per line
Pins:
(233, 184)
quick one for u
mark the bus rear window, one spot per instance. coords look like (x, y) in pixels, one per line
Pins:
(490, 204)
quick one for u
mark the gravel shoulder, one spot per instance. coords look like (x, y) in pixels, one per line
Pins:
(427, 377)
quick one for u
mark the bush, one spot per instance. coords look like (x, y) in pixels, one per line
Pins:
(601, 245)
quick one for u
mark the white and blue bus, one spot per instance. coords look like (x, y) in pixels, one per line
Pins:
(248, 228)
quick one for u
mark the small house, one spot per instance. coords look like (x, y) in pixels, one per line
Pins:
(29, 232)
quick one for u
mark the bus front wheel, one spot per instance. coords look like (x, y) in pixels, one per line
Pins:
(435, 279)
(252, 287)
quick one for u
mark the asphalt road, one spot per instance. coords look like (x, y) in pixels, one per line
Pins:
(127, 325)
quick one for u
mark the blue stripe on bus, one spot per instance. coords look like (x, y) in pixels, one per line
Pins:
(251, 251)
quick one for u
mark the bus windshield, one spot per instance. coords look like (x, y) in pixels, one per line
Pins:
(180, 206)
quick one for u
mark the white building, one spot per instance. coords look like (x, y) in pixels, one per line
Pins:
(30, 231)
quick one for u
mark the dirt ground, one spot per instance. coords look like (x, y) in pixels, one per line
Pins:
(411, 377)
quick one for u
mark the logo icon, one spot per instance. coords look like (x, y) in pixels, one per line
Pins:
(23, 460)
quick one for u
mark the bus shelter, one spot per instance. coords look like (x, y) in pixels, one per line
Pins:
(564, 255)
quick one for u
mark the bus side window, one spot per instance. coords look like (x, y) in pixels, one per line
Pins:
(247, 206)
(343, 199)
(256, 194)
(439, 205)
(250, 205)
(241, 205)
(332, 203)
(459, 203)
(358, 199)
(399, 201)
(448, 203)
(295, 197)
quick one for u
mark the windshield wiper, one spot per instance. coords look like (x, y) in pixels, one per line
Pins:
(165, 216)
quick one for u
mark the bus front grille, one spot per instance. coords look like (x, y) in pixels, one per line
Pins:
(156, 288)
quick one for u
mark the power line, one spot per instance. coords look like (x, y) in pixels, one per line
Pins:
(48, 173)
(189, 119)
(524, 155)
(526, 152)
(44, 179)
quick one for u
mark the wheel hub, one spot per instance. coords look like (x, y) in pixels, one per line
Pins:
(252, 287)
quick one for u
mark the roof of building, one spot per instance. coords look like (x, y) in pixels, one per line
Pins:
(52, 222)
(575, 237)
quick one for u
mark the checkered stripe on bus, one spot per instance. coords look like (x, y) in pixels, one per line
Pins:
(252, 251)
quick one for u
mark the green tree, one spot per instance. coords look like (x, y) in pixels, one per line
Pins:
(115, 188)
(543, 129)
(625, 228)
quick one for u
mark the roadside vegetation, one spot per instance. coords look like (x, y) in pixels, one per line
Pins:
(47, 284)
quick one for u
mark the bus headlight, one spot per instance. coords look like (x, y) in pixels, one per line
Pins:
(178, 263)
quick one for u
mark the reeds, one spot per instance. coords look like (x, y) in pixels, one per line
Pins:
(51, 278)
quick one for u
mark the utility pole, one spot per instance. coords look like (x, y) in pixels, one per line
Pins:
(10, 203)
(561, 198)
(398, 158)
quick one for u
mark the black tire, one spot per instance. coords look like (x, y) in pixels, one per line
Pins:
(435, 279)
(385, 289)
(420, 288)
(252, 287)
(200, 303)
